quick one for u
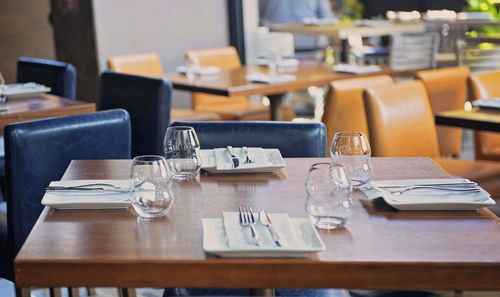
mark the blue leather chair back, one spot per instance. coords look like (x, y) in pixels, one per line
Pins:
(292, 139)
(59, 76)
(148, 102)
(38, 152)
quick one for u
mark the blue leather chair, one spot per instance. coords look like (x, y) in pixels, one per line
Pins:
(148, 102)
(59, 76)
(293, 139)
(39, 151)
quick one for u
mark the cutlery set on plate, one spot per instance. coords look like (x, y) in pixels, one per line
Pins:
(235, 160)
(453, 187)
(248, 219)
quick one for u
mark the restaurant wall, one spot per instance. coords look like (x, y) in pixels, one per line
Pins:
(168, 27)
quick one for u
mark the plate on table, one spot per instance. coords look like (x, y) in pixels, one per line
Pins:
(489, 103)
(23, 90)
(267, 160)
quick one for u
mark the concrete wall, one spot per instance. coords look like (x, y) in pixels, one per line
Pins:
(24, 31)
(168, 27)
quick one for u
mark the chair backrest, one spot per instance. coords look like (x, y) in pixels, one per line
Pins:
(148, 64)
(148, 101)
(59, 76)
(447, 89)
(413, 50)
(38, 152)
(292, 139)
(479, 54)
(344, 107)
(400, 121)
(226, 58)
(486, 85)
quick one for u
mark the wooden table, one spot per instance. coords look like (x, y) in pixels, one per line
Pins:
(43, 106)
(477, 119)
(379, 249)
(234, 83)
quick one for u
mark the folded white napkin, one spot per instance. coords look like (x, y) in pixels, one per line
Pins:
(76, 199)
(199, 70)
(349, 68)
(270, 78)
(239, 237)
(223, 159)
(427, 199)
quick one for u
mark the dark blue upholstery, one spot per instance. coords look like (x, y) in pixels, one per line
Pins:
(39, 151)
(148, 102)
(292, 139)
(59, 76)
(246, 292)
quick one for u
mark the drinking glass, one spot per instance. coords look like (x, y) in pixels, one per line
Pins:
(328, 188)
(192, 67)
(182, 152)
(352, 150)
(3, 89)
(151, 195)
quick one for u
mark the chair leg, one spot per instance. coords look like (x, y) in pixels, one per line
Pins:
(23, 292)
(74, 292)
(55, 292)
(127, 292)
(262, 292)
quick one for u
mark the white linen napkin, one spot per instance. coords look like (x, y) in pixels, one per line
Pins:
(270, 78)
(223, 159)
(75, 199)
(239, 237)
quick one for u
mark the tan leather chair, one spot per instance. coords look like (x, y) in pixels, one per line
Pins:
(401, 124)
(149, 64)
(486, 85)
(344, 107)
(229, 108)
(447, 89)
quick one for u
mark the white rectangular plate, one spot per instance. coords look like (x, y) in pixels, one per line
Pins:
(273, 155)
(214, 242)
(23, 90)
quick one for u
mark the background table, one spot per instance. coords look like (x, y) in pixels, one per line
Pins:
(380, 249)
(43, 106)
(477, 119)
(234, 82)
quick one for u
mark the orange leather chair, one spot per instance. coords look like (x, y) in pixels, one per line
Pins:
(486, 85)
(401, 124)
(149, 64)
(344, 107)
(229, 108)
(447, 89)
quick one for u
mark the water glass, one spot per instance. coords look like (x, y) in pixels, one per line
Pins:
(329, 190)
(3, 89)
(151, 195)
(352, 150)
(182, 152)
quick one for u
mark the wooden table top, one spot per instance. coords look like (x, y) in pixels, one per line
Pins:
(43, 106)
(234, 83)
(477, 119)
(380, 248)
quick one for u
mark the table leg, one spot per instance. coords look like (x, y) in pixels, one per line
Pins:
(262, 292)
(276, 102)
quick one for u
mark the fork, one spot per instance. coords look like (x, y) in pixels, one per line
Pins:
(247, 219)
(89, 187)
(248, 160)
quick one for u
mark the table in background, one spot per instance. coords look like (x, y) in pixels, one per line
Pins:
(379, 249)
(42, 106)
(476, 119)
(234, 82)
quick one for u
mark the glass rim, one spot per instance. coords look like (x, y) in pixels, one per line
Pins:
(330, 164)
(148, 158)
(348, 134)
(180, 128)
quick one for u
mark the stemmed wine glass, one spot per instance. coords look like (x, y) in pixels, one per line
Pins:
(182, 152)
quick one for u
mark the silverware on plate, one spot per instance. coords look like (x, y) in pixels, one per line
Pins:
(266, 221)
(89, 187)
(247, 219)
(235, 161)
(248, 160)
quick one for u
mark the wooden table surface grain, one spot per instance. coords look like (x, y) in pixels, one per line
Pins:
(380, 248)
(42, 106)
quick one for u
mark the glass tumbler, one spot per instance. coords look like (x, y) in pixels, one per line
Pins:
(3, 89)
(328, 188)
(182, 152)
(352, 150)
(151, 195)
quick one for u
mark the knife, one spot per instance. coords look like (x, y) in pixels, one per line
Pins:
(266, 220)
(234, 159)
(76, 188)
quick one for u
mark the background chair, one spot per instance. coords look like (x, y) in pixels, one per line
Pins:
(486, 85)
(149, 64)
(344, 107)
(38, 152)
(447, 90)
(401, 124)
(294, 140)
(59, 76)
(228, 108)
(413, 51)
(147, 100)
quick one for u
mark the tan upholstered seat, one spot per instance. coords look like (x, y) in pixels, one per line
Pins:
(149, 64)
(344, 107)
(486, 85)
(447, 90)
(401, 124)
(229, 108)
